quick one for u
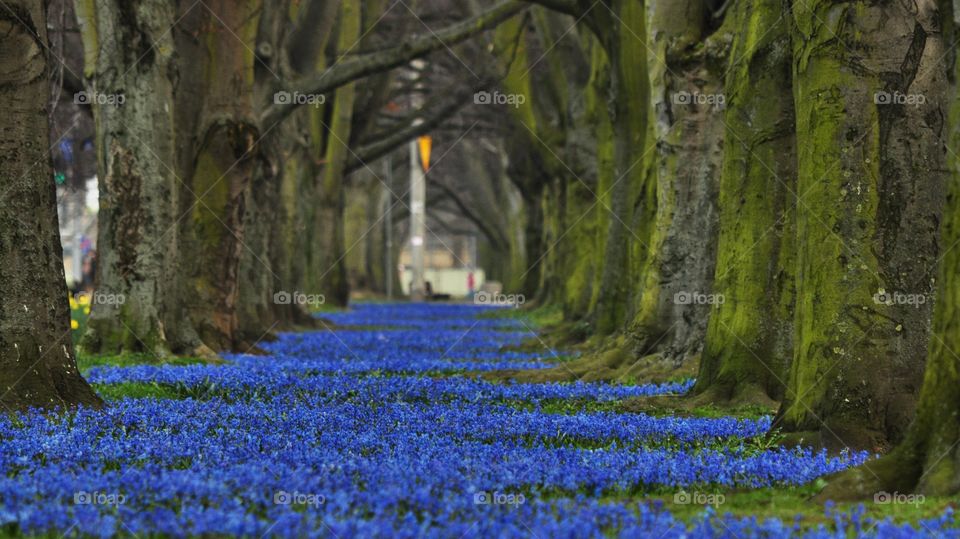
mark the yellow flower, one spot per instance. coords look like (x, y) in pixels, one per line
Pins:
(74, 324)
(83, 299)
(73, 304)
(86, 309)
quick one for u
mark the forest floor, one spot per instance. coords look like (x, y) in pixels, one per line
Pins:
(382, 428)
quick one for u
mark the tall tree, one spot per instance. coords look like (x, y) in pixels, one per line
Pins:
(748, 344)
(218, 164)
(195, 118)
(928, 458)
(129, 55)
(683, 155)
(871, 173)
(37, 362)
(330, 269)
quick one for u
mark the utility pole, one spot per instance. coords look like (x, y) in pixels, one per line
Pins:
(418, 198)
(389, 269)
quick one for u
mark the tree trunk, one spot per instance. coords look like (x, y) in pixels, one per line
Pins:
(219, 164)
(870, 182)
(332, 280)
(675, 268)
(749, 338)
(37, 362)
(928, 460)
(629, 93)
(130, 57)
(533, 247)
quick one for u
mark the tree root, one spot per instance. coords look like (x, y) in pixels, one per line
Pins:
(747, 397)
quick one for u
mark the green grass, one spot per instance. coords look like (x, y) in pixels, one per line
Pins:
(135, 390)
(538, 317)
(787, 503)
(85, 363)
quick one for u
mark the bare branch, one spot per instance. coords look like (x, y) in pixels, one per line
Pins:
(361, 66)
(383, 145)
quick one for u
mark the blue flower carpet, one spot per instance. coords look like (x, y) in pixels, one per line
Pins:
(381, 428)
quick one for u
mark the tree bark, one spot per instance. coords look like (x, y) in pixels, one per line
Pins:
(928, 460)
(331, 268)
(219, 163)
(38, 367)
(130, 57)
(749, 342)
(628, 98)
(684, 158)
(870, 182)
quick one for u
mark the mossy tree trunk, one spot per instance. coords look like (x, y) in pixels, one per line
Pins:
(928, 459)
(580, 220)
(332, 267)
(270, 264)
(682, 159)
(629, 93)
(219, 163)
(37, 363)
(871, 171)
(749, 338)
(129, 57)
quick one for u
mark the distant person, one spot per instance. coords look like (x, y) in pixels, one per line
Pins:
(471, 283)
(428, 290)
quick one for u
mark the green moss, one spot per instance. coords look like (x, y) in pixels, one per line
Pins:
(748, 342)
